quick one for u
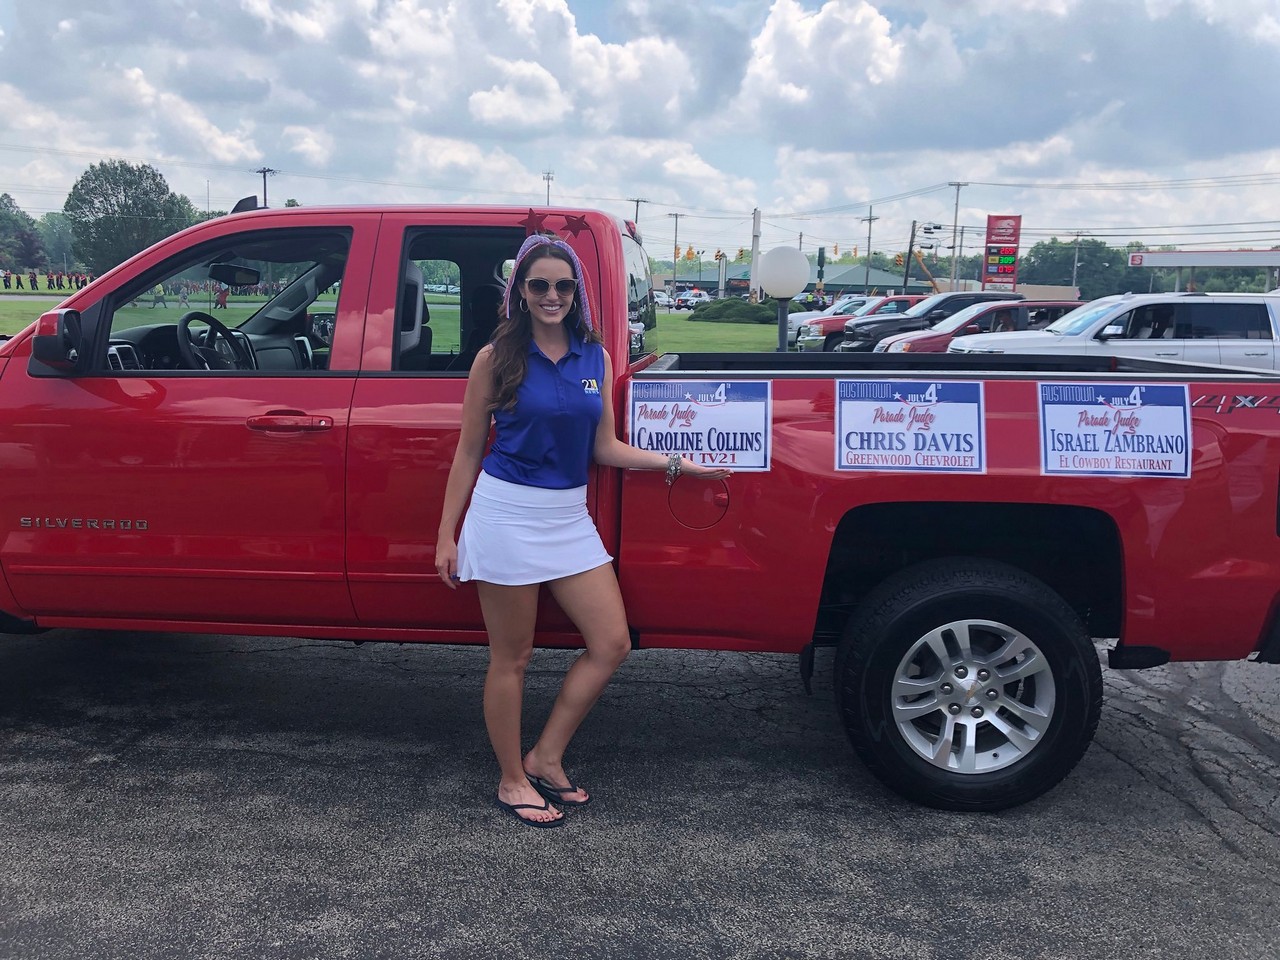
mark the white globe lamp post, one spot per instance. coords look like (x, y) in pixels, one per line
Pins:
(784, 272)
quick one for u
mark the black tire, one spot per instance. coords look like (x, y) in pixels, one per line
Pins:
(833, 340)
(1040, 664)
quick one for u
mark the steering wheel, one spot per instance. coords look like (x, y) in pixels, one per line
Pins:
(207, 356)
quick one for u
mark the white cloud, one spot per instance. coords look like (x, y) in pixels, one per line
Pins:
(530, 98)
(447, 161)
(313, 24)
(524, 14)
(312, 144)
(171, 112)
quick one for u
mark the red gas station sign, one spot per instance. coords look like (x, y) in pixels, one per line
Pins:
(1000, 262)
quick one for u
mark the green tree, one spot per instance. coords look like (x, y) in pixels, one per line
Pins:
(292, 203)
(55, 234)
(20, 245)
(117, 209)
(1098, 270)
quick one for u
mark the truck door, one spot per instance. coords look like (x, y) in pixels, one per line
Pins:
(434, 300)
(1149, 332)
(197, 472)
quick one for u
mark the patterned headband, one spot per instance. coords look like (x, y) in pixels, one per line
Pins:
(541, 240)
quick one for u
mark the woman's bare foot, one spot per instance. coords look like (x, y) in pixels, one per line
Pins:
(554, 776)
(523, 796)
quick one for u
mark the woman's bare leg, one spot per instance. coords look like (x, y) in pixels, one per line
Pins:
(593, 602)
(509, 617)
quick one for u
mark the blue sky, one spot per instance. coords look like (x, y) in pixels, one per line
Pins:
(1121, 120)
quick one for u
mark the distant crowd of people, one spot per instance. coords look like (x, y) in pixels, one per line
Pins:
(52, 281)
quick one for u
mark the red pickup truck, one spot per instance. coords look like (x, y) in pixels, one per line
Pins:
(961, 529)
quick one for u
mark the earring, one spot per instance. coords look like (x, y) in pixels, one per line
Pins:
(524, 305)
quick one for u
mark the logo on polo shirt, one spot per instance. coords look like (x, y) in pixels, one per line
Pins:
(590, 385)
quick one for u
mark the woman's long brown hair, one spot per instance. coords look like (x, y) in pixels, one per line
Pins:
(511, 339)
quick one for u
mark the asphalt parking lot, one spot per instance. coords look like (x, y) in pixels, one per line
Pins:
(184, 796)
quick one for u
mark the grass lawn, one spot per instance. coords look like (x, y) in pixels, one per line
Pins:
(16, 314)
(676, 333)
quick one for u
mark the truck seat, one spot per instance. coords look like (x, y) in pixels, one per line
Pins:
(415, 335)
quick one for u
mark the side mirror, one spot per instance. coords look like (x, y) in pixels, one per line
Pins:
(1114, 330)
(58, 341)
(969, 330)
(234, 276)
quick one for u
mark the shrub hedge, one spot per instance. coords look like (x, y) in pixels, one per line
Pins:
(737, 310)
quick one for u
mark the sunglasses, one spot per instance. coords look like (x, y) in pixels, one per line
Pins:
(539, 286)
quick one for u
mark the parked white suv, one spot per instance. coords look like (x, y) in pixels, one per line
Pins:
(1236, 329)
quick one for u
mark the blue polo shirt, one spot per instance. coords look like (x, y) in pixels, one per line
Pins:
(546, 441)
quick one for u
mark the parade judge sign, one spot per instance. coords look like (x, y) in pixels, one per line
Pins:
(720, 423)
(1110, 429)
(914, 426)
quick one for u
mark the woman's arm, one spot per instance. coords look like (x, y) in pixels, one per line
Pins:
(609, 451)
(466, 462)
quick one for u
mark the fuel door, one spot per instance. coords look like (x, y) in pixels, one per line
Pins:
(698, 504)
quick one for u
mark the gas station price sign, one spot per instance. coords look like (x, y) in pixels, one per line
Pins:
(1000, 265)
(1003, 259)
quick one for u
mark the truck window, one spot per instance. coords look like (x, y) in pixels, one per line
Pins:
(1226, 321)
(642, 316)
(1150, 322)
(454, 278)
(262, 302)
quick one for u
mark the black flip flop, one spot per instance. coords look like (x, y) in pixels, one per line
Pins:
(556, 794)
(513, 808)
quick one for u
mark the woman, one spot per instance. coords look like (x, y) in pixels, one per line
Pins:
(547, 382)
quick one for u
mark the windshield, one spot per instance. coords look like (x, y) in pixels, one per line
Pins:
(1081, 318)
(961, 318)
(845, 305)
(867, 307)
(924, 306)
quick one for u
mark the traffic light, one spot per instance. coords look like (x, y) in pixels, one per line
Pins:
(898, 260)
(835, 251)
(689, 254)
(718, 256)
(742, 253)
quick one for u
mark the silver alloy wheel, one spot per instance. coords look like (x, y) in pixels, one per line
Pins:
(973, 696)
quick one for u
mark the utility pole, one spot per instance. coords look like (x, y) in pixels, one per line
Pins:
(866, 273)
(928, 229)
(675, 259)
(637, 201)
(755, 255)
(548, 175)
(800, 245)
(265, 171)
(955, 222)
(906, 262)
(1075, 263)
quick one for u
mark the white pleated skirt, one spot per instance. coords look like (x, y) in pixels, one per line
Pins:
(513, 534)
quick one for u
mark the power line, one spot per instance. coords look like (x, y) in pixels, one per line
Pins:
(1184, 183)
(907, 195)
